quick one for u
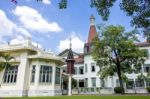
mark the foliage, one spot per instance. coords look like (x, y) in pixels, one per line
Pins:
(116, 53)
(5, 63)
(74, 82)
(139, 10)
(148, 89)
(117, 89)
(102, 7)
(63, 4)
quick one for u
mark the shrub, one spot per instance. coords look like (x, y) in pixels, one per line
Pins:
(148, 89)
(117, 89)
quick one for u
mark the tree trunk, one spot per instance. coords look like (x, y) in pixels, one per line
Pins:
(120, 78)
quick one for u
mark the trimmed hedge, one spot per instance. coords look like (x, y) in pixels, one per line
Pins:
(118, 90)
(148, 89)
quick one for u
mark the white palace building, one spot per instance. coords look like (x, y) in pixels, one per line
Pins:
(86, 71)
(35, 72)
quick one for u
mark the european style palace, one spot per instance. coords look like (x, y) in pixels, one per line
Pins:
(35, 72)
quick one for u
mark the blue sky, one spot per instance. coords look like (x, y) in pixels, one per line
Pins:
(51, 27)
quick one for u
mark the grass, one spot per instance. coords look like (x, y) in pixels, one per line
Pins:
(84, 97)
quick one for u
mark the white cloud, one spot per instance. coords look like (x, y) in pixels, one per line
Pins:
(5, 25)
(77, 44)
(31, 19)
(8, 28)
(46, 1)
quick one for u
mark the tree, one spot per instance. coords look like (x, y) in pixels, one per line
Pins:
(5, 63)
(116, 53)
(139, 10)
(65, 81)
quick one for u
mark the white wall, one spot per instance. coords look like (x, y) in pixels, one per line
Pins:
(88, 60)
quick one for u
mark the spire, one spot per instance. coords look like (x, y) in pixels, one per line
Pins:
(92, 31)
(92, 20)
(70, 60)
(70, 43)
(70, 53)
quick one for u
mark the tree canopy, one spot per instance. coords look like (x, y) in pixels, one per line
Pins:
(4, 64)
(139, 10)
(115, 53)
(6, 58)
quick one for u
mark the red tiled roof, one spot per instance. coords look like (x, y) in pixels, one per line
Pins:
(80, 59)
(92, 33)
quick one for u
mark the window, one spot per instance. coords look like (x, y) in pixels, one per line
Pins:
(45, 74)
(148, 82)
(81, 70)
(86, 70)
(92, 67)
(102, 82)
(146, 68)
(130, 84)
(81, 83)
(64, 69)
(139, 83)
(57, 78)
(117, 83)
(10, 75)
(75, 70)
(33, 74)
(93, 82)
(86, 82)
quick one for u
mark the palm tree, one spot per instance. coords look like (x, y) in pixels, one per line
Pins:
(5, 63)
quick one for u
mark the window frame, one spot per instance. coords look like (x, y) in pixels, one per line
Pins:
(93, 67)
(33, 72)
(138, 80)
(57, 75)
(93, 81)
(45, 75)
(10, 75)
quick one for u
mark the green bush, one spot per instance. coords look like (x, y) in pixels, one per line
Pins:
(117, 89)
(148, 89)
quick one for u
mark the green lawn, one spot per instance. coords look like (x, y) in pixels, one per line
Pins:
(85, 97)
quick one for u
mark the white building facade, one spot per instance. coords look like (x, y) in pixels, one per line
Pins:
(89, 80)
(34, 72)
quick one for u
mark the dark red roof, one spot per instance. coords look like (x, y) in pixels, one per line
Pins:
(92, 33)
(80, 59)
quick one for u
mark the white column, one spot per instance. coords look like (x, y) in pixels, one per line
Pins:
(78, 83)
(69, 85)
(37, 74)
(22, 73)
(53, 76)
(134, 85)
